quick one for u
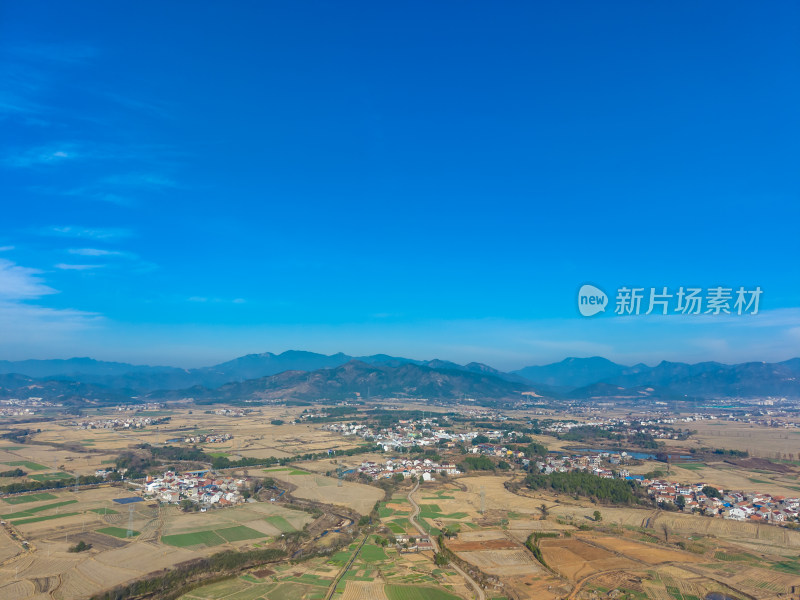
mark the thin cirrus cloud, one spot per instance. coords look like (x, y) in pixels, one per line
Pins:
(41, 156)
(21, 283)
(27, 325)
(94, 233)
(202, 299)
(100, 252)
(77, 267)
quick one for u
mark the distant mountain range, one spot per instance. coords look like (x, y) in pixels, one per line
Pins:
(310, 376)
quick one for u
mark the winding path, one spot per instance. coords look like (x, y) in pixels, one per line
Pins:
(413, 518)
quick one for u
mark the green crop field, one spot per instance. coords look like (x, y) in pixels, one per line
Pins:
(690, 466)
(104, 511)
(31, 511)
(370, 553)
(118, 532)
(415, 592)
(182, 540)
(280, 523)
(213, 537)
(27, 464)
(29, 498)
(340, 558)
(395, 528)
(49, 476)
(45, 518)
(239, 533)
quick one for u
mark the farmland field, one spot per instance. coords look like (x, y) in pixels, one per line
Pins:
(118, 532)
(414, 592)
(29, 498)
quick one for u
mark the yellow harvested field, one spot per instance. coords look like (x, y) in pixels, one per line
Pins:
(320, 488)
(503, 562)
(364, 590)
(648, 553)
(575, 558)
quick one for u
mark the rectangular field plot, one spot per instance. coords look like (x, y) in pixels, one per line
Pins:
(416, 592)
(29, 512)
(371, 553)
(49, 476)
(280, 523)
(44, 518)
(117, 532)
(104, 511)
(32, 466)
(182, 540)
(29, 498)
(237, 534)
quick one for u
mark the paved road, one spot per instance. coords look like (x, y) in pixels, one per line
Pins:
(413, 518)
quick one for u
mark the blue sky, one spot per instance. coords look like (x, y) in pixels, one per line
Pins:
(187, 183)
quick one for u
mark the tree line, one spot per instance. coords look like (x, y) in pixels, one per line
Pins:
(579, 483)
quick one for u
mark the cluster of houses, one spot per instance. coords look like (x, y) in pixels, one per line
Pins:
(15, 407)
(404, 434)
(689, 497)
(424, 469)
(656, 428)
(139, 407)
(120, 423)
(593, 463)
(410, 543)
(233, 412)
(740, 506)
(206, 438)
(203, 488)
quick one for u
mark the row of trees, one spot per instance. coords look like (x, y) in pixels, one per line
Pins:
(579, 483)
(32, 486)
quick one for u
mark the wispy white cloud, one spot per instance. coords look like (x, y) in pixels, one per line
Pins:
(6, 248)
(140, 180)
(216, 300)
(42, 155)
(73, 267)
(95, 233)
(100, 252)
(28, 327)
(21, 283)
(122, 190)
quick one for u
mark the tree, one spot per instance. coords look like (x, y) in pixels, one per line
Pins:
(480, 439)
(440, 559)
(544, 510)
(276, 422)
(598, 516)
(80, 547)
(680, 502)
(711, 492)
